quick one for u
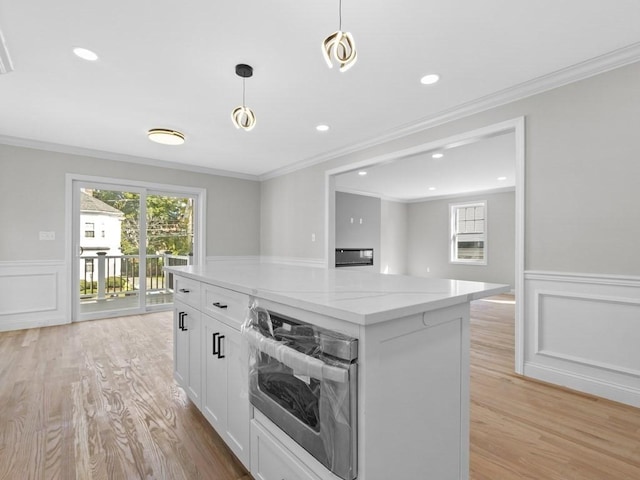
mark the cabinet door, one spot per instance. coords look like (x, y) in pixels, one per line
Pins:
(180, 347)
(226, 383)
(214, 402)
(238, 411)
(272, 461)
(186, 350)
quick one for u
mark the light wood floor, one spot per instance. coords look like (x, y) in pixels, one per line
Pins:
(96, 400)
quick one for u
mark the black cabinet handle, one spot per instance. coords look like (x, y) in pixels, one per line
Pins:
(219, 305)
(181, 316)
(217, 346)
(184, 290)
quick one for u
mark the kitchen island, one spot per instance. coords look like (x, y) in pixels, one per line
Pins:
(413, 363)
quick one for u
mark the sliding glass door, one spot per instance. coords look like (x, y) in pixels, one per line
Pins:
(124, 235)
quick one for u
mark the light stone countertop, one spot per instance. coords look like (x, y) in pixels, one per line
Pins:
(359, 297)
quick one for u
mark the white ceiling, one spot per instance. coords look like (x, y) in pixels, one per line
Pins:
(487, 164)
(165, 63)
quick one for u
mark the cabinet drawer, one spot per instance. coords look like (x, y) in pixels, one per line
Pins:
(229, 306)
(186, 291)
(271, 461)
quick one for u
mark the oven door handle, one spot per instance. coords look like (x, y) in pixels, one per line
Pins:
(300, 363)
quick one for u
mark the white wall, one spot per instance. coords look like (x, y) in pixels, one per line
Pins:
(33, 283)
(393, 237)
(358, 225)
(581, 185)
(429, 236)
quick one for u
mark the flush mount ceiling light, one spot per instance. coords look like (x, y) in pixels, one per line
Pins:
(339, 46)
(430, 79)
(85, 54)
(243, 117)
(165, 136)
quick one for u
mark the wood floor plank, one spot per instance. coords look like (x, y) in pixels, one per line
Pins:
(97, 401)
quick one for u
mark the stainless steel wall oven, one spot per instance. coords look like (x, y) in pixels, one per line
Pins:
(304, 378)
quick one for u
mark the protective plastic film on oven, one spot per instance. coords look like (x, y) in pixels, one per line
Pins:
(301, 378)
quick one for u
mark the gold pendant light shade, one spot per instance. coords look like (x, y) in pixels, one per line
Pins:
(340, 47)
(243, 117)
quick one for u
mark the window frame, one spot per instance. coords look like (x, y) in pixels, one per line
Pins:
(453, 209)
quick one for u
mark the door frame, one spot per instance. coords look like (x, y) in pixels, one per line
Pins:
(71, 185)
(515, 126)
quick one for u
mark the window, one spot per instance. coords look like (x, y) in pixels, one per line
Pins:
(89, 230)
(469, 233)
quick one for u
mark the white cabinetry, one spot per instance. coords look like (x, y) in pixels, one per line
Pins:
(210, 358)
(272, 461)
(225, 400)
(187, 350)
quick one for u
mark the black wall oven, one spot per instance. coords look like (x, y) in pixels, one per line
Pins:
(304, 379)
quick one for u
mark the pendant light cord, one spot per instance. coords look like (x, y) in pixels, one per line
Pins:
(340, 17)
(243, 82)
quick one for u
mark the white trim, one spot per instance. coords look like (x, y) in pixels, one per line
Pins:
(572, 358)
(580, 71)
(433, 198)
(454, 196)
(119, 157)
(31, 263)
(517, 126)
(21, 312)
(72, 211)
(601, 373)
(583, 383)
(588, 278)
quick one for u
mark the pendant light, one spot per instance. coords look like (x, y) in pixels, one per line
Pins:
(339, 46)
(243, 117)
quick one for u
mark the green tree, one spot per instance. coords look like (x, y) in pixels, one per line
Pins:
(169, 222)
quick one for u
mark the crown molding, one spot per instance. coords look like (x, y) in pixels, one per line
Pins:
(118, 157)
(433, 198)
(580, 71)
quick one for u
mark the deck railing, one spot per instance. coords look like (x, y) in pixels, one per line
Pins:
(106, 276)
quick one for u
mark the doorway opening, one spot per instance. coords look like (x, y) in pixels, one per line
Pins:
(513, 127)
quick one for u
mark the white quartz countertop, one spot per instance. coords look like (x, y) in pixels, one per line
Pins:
(360, 297)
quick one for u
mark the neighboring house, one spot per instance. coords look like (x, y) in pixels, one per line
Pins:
(100, 231)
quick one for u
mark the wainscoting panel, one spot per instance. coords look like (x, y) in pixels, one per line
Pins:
(583, 332)
(32, 294)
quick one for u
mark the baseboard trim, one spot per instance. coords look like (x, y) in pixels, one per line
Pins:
(583, 383)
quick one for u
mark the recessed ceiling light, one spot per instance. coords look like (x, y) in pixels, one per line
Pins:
(322, 128)
(85, 54)
(437, 155)
(362, 173)
(502, 178)
(431, 189)
(430, 79)
(165, 136)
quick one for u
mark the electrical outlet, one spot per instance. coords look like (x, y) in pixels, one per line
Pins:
(47, 236)
(313, 237)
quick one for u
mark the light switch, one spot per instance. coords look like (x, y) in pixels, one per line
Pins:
(47, 235)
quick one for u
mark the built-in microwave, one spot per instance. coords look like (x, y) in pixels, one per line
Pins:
(354, 257)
